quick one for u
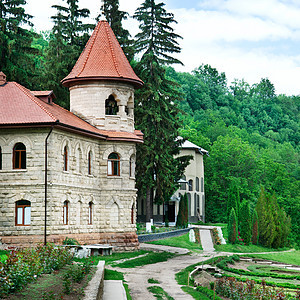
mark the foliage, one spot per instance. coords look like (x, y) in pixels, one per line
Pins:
(231, 288)
(70, 241)
(17, 55)
(274, 224)
(217, 240)
(245, 222)
(232, 227)
(182, 216)
(114, 17)
(156, 112)
(24, 266)
(233, 200)
(208, 293)
(255, 230)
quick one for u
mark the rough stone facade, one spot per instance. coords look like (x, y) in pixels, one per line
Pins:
(112, 198)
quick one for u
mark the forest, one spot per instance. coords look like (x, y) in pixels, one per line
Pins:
(251, 133)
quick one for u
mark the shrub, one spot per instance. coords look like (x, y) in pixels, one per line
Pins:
(232, 227)
(182, 217)
(24, 266)
(254, 228)
(70, 241)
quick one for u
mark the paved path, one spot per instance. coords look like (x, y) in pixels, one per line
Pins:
(164, 272)
(206, 241)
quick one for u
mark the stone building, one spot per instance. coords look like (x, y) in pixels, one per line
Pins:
(192, 183)
(72, 173)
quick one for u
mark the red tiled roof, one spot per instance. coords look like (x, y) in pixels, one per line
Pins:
(19, 107)
(42, 93)
(102, 58)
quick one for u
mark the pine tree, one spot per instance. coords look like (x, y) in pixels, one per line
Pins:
(232, 227)
(155, 108)
(114, 17)
(254, 228)
(245, 222)
(67, 40)
(182, 217)
(232, 200)
(265, 220)
(16, 52)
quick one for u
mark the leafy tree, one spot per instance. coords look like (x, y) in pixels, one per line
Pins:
(16, 52)
(254, 239)
(232, 227)
(245, 222)
(182, 217)
(156, 111)
(114, 17)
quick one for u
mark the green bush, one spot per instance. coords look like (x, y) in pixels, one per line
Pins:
(254, 228)
(70, 241)
(207, 292)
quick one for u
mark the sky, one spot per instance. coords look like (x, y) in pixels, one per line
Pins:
(245, 39)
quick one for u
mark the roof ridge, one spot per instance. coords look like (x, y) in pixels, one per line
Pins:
(111, 49)
(89, 50)
(33, 98)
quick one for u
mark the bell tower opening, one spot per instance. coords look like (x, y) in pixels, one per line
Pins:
(111, 106)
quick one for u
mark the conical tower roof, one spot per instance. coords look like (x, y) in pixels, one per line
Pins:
(102, 59)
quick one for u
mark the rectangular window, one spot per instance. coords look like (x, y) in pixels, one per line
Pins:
(27, 215)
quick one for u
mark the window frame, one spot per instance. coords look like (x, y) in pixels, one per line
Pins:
(190, 184)
(66, 213)
(90, 213)
(112, 162)
(22, 157)
(90, 163)
(23, 207)
(66, 154)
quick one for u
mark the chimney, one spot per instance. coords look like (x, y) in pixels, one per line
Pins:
(2, 78)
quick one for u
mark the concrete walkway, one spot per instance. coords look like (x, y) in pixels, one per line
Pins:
(114, 290)
(206, 241)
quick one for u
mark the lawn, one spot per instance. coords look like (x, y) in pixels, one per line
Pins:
(292, 257)
(181, 241)
(236, 248)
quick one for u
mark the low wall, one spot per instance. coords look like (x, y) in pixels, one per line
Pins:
(162, 235)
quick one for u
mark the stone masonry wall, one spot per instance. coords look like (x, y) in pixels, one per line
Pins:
(112, 198)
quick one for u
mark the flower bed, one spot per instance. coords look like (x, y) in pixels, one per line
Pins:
(26, 265)
(233, 289)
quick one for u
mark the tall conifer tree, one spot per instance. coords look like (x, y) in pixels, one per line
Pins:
(67, 40)
(245, 222)
(155, 108)
(16, 52)
(114, 17)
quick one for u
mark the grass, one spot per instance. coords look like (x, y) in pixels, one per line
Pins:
(292, 257)
(151, 258)
(181, 241)
(114, 257)
(236, 248)
(152, 280)
(195, 294)
(3, 255)
(159, 293)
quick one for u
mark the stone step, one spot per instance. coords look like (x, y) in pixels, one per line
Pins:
(114, 290)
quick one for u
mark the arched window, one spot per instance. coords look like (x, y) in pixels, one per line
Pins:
(90, 163)
(90, 213)
(190, 185)
(111, 106)
(202, 184)
(113, 164)
(66, 213)
(23, 213)
(195, 204)
(183, 184)
(66, 158)
(197, 184)
(0, 158)
(132, 166)
(19, 156)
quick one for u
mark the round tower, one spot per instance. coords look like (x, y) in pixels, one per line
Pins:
(102, 83)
